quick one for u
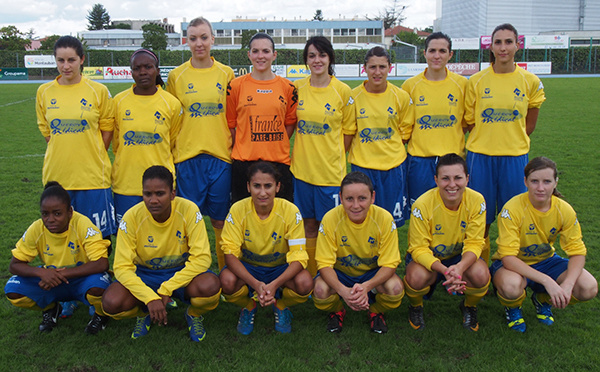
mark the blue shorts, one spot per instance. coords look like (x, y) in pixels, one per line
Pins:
(75, 290)
(439, 278)
(314, 201)
(390, 190)
(123, 203)
(155, 278)
(420, 175)
(497, 178)
(553, 267)
(206, 181)
(98, 206)
(263, 274)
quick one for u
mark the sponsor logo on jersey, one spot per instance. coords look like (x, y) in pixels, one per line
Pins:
(73, 248)
(536, 250)
(65, 126)
(167, 262)
(311, 127)
(344, 241)
(372, 242)
(375, 134)
(133, 138)
(264, 91)
(47, 251)
(85, 106)
(277, 239)
(275, 257)
(247, 236)
(436, 121)
(199, 109)
(531, 230)
(266, 128)
(446, 251)
(492, 115)
(438, 230)
(355, 261)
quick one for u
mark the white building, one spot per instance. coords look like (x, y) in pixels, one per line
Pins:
(473, 18)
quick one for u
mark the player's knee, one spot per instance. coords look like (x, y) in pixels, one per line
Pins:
(228, 281)
(509, 289)
(321, 289)
(393, 286)
(588, 289)
(417, 276)
(479, 276)
(14, 296)
(207, 285)
(95, 291)
(304, 283)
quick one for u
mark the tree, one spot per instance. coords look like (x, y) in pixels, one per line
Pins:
(410, 38)
(98, 18)
(246, 36)
(318, 15)
(391, 15)
(13, 39)
(155, 37)
(30, 33)
(48, 42)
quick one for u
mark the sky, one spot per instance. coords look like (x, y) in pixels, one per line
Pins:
(67, 17)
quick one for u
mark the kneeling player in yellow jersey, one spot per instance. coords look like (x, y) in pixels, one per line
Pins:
(528, 226)
(357, 256)
(264, 246)
(74, 258)
(162, 251)
(445, 240)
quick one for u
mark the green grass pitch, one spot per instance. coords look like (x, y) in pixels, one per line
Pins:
(567, 132)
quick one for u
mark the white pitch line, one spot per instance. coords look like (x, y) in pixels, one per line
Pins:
(16, 103)
(22, 156)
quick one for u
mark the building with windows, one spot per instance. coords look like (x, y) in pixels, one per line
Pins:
(293, 34)
(474, 18)
(117, 39)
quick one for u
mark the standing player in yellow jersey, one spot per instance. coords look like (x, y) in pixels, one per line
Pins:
(325, 114)
(74, 259)
(147, 123)
(261, 110)
(502, 104)
(384, 120)
(528, 226)
(162, 251)
(445, 239)
(203, 148)
(357, 257)
(264, 246)
(75, 116)
(438, 100)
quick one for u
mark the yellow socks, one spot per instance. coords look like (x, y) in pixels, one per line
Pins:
(415, 297)
(290, 298)
(474, 295)
(384, 302)
(202, 305)
(241, 299)
(331, 304)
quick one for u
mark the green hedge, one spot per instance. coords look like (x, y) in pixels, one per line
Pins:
(572, 60)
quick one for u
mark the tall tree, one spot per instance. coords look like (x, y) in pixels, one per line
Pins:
(155, 37)
(246, 36)
(13, 39)
(98, 18)
(318, 15)
(391, 16)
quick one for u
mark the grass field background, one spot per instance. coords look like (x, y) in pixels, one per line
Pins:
(567, 132)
